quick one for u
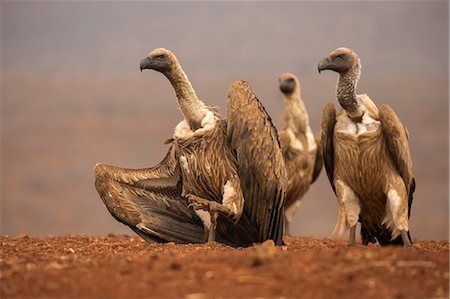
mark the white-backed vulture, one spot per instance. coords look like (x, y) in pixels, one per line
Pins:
(367, 159)
(230, 171)
(299, 147)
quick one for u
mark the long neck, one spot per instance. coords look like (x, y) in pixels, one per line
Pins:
(298, 119)
(191, 106)
(346, 92)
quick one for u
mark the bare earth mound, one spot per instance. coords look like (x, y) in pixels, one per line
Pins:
(127, 267)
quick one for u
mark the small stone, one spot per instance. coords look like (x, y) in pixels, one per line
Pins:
(209, 274)
(175, 266)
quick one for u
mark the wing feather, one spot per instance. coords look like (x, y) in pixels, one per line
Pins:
(326, 130)
(260, 164)
(396, 136)
(149, 200)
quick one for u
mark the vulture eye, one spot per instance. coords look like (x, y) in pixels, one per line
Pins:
(340, 56)
(160, 56)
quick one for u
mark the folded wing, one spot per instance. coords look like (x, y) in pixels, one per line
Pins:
(396, 137)
(260, 164)
(326, 130)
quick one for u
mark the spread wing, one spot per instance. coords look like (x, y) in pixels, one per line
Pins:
(318, 163)
(396, 137)
(149, 201)
(326, 130)
(260, 164)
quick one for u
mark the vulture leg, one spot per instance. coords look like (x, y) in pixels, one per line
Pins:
(352, 242)
(405, 239)
(212, 230)
(208, 211)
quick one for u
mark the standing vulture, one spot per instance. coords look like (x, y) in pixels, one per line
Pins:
(299, 147)
(367, 159)
(226, 176)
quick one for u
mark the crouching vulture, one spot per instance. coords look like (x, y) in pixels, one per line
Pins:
(222, 179)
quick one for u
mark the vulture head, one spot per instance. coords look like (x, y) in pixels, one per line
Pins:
(160, 59)
(341, 60)
(289, 83)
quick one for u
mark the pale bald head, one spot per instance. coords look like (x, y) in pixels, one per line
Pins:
(160, 60)
(341, 61)
(289, 83)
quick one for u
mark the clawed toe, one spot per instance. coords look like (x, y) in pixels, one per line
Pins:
(197, 203)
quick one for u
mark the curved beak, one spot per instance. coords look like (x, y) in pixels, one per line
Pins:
(323, 64)
(146, 63)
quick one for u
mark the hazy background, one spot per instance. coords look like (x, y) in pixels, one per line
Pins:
(73, 95)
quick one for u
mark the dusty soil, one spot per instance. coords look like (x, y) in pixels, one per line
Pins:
(127, 267)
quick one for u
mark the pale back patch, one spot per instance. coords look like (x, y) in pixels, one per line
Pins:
(367, 125)
(183, 131)
(229, 197)
(346, 125)
(184, 164)
(208, 123)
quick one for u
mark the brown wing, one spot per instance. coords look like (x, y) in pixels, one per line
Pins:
(326, 137)
(318, 163)
(396, 137)
(260, 164)
(149, 201)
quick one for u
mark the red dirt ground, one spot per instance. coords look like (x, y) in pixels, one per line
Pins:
(127, 267)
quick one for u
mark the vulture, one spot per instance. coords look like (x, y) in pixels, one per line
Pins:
(300, 149)
(367, 159)
(223, 179)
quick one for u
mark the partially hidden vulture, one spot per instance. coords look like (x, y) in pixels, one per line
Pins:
(300, 148)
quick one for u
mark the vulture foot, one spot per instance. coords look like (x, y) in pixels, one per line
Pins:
(199, 203)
